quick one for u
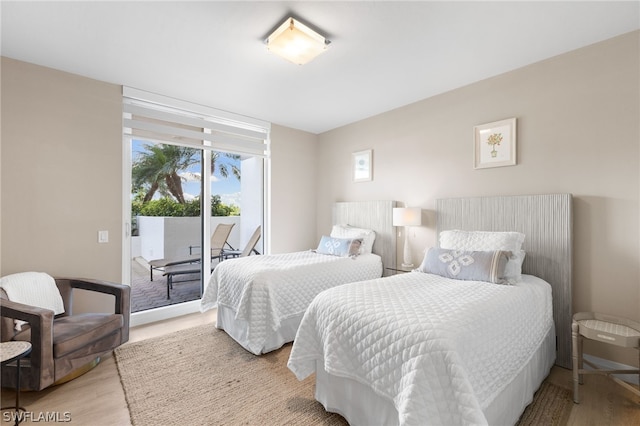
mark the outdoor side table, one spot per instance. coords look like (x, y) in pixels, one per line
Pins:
(9, 352)
(602, 328)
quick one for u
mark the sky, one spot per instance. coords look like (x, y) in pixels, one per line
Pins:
(228, 188)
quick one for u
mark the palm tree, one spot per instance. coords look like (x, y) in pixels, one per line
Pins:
(222, 167)
(157, 169)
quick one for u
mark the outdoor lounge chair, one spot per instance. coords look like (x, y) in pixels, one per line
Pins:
(250, 247)
(170, 271)
(182, 269)
(218, 242)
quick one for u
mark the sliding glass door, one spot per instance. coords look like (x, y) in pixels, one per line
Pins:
(170, 218)
(166, 224)
(192, 168)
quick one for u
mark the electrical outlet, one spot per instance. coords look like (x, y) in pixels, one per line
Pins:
(103, 236)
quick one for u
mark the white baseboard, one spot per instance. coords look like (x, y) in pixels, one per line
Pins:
(611, 365)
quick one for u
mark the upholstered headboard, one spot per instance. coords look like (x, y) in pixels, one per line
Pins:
(546, 221)
(376, 215)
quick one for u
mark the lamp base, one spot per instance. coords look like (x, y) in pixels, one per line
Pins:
(406, 258)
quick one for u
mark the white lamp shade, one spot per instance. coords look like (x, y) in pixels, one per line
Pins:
(407, 216)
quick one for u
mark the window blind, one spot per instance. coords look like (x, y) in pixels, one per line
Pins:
(159, 118)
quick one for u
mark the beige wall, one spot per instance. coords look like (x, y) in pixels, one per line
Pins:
(293, 197)
(578, 132)
(61, 173)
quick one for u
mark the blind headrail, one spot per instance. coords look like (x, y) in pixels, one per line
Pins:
(155, 117)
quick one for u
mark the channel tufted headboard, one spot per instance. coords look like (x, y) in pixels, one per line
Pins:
(376, 215)
(546, 221)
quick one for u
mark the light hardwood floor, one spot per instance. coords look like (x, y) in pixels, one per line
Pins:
(97, 398)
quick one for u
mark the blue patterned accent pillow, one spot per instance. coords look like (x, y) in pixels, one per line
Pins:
(486, 266)
(339, 246)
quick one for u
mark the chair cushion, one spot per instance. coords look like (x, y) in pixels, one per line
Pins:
(78, 331)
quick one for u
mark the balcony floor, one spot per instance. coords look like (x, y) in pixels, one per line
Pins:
(147, 294)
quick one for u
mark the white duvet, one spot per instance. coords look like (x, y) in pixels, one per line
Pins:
(265, 290)
(439, 349)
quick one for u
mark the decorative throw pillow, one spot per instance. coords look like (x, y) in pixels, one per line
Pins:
(489, 241)
(339, 246)
(368, 236)
(486, 266)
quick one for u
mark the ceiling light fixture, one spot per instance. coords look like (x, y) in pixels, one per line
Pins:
(296, 42)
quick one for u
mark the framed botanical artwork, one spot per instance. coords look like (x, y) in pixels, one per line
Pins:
(362, 165)
(494, 144)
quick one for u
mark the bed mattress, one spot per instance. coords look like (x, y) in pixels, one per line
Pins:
(258, 296)
(439, 351)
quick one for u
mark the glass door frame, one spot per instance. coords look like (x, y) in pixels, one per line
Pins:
(178, 309)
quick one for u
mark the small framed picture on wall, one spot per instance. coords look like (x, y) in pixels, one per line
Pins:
(362, 165)
(494, 144)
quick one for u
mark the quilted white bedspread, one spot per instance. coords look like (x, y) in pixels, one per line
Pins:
(264, 290)
(439, 349)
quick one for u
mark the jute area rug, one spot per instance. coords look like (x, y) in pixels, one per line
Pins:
(200, 376)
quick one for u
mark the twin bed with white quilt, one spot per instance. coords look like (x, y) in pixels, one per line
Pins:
(261, 299)
(466, 338)
(436, 350)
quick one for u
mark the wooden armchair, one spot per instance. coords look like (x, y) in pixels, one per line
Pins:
(63, 344)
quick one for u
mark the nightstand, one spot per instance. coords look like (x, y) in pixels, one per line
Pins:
(398, 270)
(607, 329)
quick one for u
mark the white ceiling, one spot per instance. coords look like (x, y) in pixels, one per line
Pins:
(383, 55)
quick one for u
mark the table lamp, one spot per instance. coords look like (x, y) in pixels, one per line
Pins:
(407, 216)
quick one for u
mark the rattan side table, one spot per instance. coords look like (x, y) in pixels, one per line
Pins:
(9, 352)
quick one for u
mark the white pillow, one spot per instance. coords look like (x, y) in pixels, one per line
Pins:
(346, 231)
(486, 240)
